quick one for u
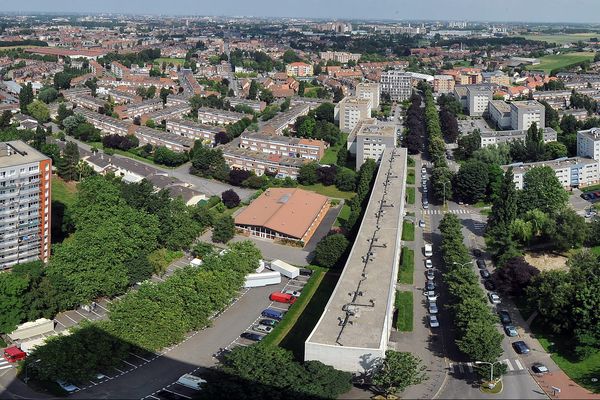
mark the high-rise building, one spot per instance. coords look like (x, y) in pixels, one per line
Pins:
(369, 139)
(369, 90)
(25, 195)
(525, 113)
(350, 111)
(397, 83)
(588, 143)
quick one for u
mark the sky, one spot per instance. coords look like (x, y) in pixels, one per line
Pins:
(473, 10)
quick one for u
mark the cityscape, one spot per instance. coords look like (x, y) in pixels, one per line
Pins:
(345, 200)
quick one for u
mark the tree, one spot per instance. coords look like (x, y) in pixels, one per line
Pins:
(62, 113)
(48, 95)
(253, 91)
(515, 276)
(505, 207)
(307, 175)
(39, 111)
(471, 182)
(202, 249)
(338, 94)
(542, 190)
(301, 88)
(325, 112)
(5, 119)
(467, 145)
(481, 341)
(327, 174)
(224, 229)
(26, 97)
(551, 115)
(12, 307)
(230, 198)
(534, 144)
(345, 180)
(441, 184)
(330, 250)
(398, 371)
(67, 166)
(164, 93)
(305, 126)
(567, 230)
(554, 150)
(208, 162)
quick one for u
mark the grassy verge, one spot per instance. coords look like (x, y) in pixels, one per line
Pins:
(404, 311)
(410, 178)
(306, 318)
(342, 216)
(329, 191)
(582, 371)
(408, 231)
(330, 156)
(592, 188)
(411, 162)
(64, 192)
(410, 195)
(407, 266)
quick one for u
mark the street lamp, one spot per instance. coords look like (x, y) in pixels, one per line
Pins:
(26, 379)
(462, 265)
(491, 366)
(444, 184)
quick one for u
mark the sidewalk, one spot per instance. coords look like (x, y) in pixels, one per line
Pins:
(568, 388)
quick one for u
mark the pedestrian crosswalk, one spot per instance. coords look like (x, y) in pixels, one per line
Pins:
(459, 369)
(5, 364)
(437, 212)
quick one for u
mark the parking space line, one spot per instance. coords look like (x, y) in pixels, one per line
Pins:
(60, 323)
(141, 358)
(128, 363)
(278, 308)
(94, 383)
(66, 315)
(119, 370)
(178, 394)
(89, 319)
(152, 397)
(100, 305)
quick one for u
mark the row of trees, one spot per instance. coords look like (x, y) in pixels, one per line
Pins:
(415, 126)
(343, 178)
(155, 316)
(477, 336)
(449, 109)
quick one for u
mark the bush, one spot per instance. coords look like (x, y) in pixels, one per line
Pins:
(346, 180)
(230, 198)
(330, 250)
(202, 249)
(224, 229)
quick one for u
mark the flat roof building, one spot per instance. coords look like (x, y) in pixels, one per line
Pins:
(261, 163)
(284, 213)
(524, 113)
(497, 137)
(285, 120)
(218, 117)
(283, 145)
(354, 329)
(369, 139)
(106, 124)
(194, 130)
(350, 111)
(478, 97)
(499, 113)
(169, 140)
(574, 172)
(588, 143)
(369, 90)
(397, 83)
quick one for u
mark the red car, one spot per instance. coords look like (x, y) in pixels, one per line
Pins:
(14, 354)
(282, 297)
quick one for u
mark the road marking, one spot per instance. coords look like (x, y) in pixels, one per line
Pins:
(508, 364)
(122, 372)
(141, 358)
(519, 366)
(66, 315)
(60, 323)
(152, 397)
(89, 319)
(6, 367)
(128, 363)
(278, 308)
(470, 366)
(178, 394)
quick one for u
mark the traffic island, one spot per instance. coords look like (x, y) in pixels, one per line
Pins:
(491, 387)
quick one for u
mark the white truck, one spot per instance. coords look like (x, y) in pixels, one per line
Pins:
(42, 326)
(262, 279)
(428, 250)
(284, 268)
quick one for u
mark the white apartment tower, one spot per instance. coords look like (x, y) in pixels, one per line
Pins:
(350, 111)
(396, 83)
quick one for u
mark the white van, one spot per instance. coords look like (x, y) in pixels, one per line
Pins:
(191, 381)
(428, 250)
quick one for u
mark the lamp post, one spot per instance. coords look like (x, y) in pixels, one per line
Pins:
(26, 379)
(491, 368)
(444, 184)
(462, 265)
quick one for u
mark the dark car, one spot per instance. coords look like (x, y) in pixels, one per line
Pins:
(521, 347)
(306, 272)
(477, 253)
(539, 368)
(481, 264)
(585, 196)
(268, 322)
(489, 284)
(505, 317)
(591, 196)
(485, 274)
(252, 336)
(430, 286)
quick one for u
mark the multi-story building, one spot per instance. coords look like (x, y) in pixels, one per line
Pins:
(369, 139)
(120, 97)
(443, 84)
(285, 120)
(283, 145)
(339, 56)
(261, 163)
(133, 110)
(193, 130)
(169, 140)
(588, 143)
(106, 124)
(166, 113)
(189, 83)
(499, 113)
(89, 102)
(369, 90)
(571, 172)
(25, 202)
(255, 105)
(490, 138)
(299, 69)
(496, 78)
(478, 98)
(218, 117)
(350, 111)
(525, 113)
(119, 70)
(396, 83)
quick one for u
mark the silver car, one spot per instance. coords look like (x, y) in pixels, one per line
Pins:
(433, 321)
(433, 309)
(263, 328)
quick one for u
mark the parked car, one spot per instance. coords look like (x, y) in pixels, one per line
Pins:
(430, 294)
(510, 331)
(485, 274)
(13, 354)
(191, 381)
(428, 263)
(67, 387)
(268, 322)
(99, 376)
(481, 264)
(274, 314)
(430, 274)
(425, 189)
(489, 284)
(494, 298)
(262, 328)
(477, 253)
(423, 170)
(421, 223)
(433, 307)
(521, 347)
(252, 336)
(433, 321)
(430, 286)
(294, 293)
(425, 206)
(539, 368)
(505, 317)
(585, 196)
(282, 298)
(306, 272)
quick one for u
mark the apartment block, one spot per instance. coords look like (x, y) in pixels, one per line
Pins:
(119, 70)
(25, 203)
(166, 113)
(188, 82)
(193, 130)
(255, 105)
(350, 111)
(369, 139)
(177, 100)
(218, 117)
(120, 97)
(106, 124)
(588, 143)
(396, 83)
(169, 140)
(443, 84)
(572, 172)
(499, 112)
(497, 137)
(133, 110)
(369, 90)
(339, 56)
(478, 98)
(299, 69)
(285, 120)
(525, 113)
(261, 163)
(283, 145)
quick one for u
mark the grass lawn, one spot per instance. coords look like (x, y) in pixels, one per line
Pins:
(307, 311)
(407, 266)
(408, 231)
(555, 61)
(411, 162)
(410, 195)
(175, 61)
(595, 250)
(562, 38)
(410, 178)
(329, 191)
(330, 156)
(581, 372)
(342, 216)
(64, 192)
(404, 311)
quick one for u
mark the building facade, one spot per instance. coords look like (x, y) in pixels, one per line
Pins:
(283, 145)
(524, 113)
(478, 98)
(572, 172)
(350, 111)
(369, 139)
(396, 83)
(25, 204)
(193, 130)
(369, 90)
(588, 143)
(299, 69)
(498, 137)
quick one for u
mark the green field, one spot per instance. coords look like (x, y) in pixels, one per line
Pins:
(329, 191)
(342, 216)
(555, 61)
(562, 38)
(408, 231)
(64, 192)
(404, 310)
(410, 195)
(407, 266)
(175, 61)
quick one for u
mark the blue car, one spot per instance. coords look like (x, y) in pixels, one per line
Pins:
(274, 314)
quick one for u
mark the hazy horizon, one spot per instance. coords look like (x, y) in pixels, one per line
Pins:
(535, 11)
